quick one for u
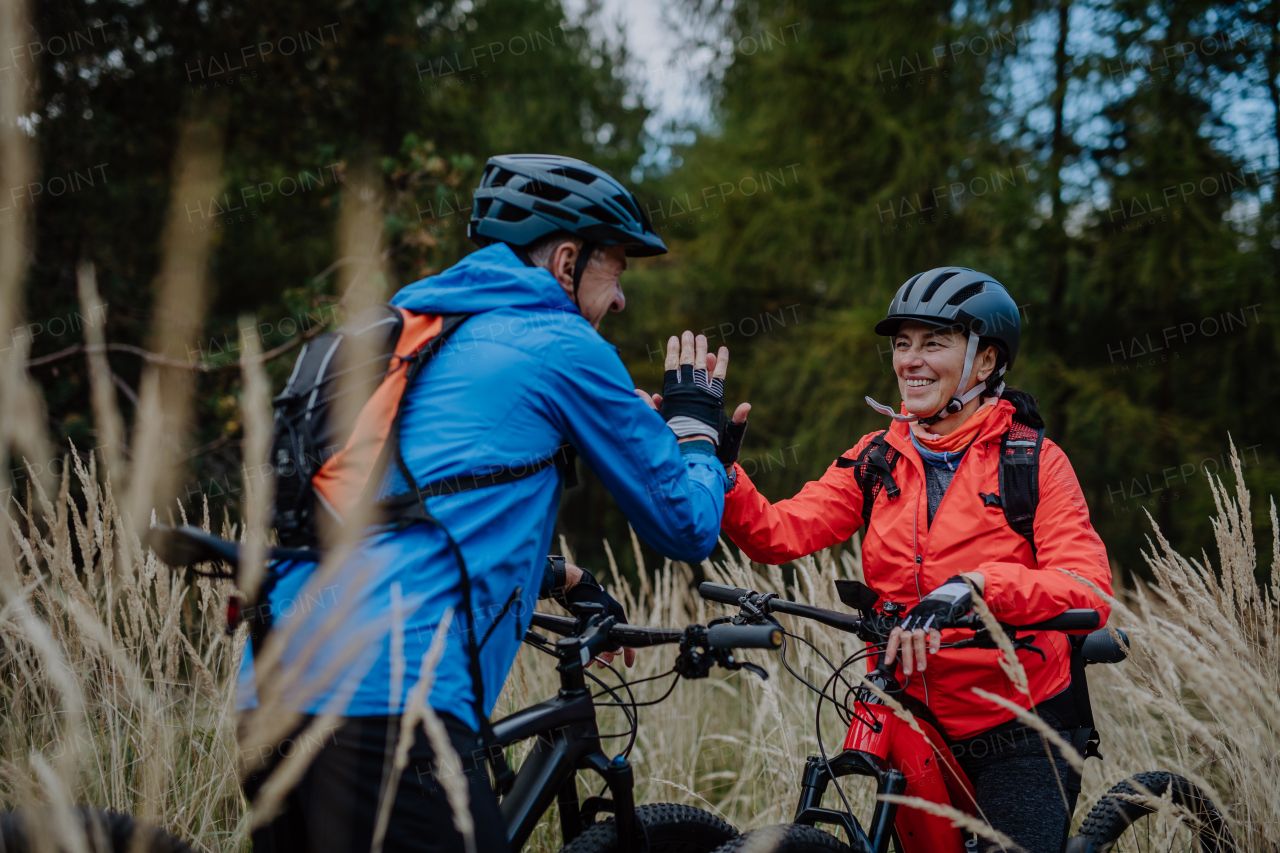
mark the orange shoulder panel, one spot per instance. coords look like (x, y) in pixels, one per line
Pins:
(342, 479)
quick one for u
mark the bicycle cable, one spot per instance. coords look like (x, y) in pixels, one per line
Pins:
(852, 714)
(670, 689)
(840, 706)
(782, 654)
(640, 681)
(633, 716)
(817, 730)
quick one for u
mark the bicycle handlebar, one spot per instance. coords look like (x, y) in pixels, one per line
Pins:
(639, 636)
(1072, 620)
(734, 595)
(723, 594)
(744, 637)
(187, 546)
(1079, 619)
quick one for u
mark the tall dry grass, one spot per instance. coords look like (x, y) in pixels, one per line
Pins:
(117, 681)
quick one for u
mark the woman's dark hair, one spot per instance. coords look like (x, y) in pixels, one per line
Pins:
(1025, 409)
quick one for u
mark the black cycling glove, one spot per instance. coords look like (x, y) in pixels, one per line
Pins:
(731, 442)
(589, 591)
(693, 405)
(937, 609)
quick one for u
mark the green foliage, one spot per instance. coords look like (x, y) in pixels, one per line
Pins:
(305, 91)
(882, 128)
(1094, 171)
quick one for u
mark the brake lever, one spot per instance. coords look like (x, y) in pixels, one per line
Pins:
(753, 667)
(1027, 644)
(982, 639)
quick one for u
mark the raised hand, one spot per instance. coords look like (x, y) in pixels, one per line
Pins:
(699, 412)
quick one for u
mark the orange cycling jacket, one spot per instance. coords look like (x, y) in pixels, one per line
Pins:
(904, 558)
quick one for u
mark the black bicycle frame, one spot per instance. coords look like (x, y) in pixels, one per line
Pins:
(568, 740)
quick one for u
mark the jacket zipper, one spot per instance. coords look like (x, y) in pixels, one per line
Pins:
(915, 546)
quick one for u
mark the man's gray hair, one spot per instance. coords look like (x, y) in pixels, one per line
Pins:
(540, 252)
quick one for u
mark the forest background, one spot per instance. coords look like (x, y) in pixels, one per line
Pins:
(1112, 163)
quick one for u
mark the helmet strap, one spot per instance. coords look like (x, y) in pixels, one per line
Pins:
(522, 252)
(584, 257)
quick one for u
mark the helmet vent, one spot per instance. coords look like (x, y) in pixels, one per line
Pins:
(545, 191)
(574, 174)
(504, 175)
(598, 212)
(906, 294)
(627, 204)
(937, 282)
(965, 292)
(558, 212)
(511, 213)
(482, 207)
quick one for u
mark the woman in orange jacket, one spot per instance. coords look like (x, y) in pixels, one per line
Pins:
(954, 333)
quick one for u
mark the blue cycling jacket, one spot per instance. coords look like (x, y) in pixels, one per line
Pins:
(518, 379)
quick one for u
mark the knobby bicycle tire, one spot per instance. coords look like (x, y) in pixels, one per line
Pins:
(671, 828)
(1107, 821)
(786, 838)
(104, 832)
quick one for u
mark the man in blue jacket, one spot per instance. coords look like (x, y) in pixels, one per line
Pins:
(524, 375)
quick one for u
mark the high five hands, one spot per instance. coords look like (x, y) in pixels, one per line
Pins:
(688, 350)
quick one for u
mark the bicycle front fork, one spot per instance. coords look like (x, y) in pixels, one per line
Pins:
(620, 779)
(851, 762)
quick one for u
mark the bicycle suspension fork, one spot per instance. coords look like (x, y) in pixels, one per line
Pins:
(816, 778)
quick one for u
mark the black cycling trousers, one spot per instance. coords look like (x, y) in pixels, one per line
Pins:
(334, 808)
(1018, 788)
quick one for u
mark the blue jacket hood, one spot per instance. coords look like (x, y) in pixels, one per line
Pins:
(489, 279)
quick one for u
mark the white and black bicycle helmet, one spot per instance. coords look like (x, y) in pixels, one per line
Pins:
(969, 301)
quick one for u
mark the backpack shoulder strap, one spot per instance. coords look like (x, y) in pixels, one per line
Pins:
(401, 511)
(1020, 478)
(873, 469)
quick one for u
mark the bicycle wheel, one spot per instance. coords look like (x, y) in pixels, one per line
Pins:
(104, 832)
(1117, 824)
(786, 838)
(671, 829)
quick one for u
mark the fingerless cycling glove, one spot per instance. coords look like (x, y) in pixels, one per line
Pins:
(937, 609)
(588, 590)
(693, 403)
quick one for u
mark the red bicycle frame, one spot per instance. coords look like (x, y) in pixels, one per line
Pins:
(902, 761)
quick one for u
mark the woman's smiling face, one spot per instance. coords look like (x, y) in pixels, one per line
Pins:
(929, 361)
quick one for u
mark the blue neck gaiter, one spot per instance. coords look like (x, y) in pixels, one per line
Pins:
(937, 458)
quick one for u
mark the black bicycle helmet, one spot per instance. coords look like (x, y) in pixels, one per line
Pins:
(957, 296)
(523, 198)
(971, 301)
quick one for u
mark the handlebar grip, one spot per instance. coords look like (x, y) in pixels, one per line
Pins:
(1081, 619)
(721, 593)
(640, 637)
(555, 624)
(744, 637)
